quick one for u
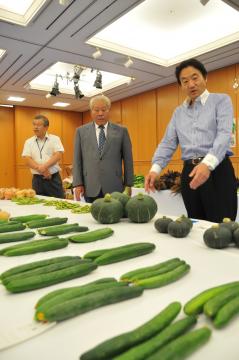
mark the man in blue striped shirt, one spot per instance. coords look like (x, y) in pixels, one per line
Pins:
(202, 127)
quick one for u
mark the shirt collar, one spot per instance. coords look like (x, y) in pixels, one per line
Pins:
(45, 137)
(105, 126)
(202, 98)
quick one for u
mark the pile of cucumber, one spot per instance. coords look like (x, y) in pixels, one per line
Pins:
(158, 338)
(220, 303)
(39, 274)
(157, 275)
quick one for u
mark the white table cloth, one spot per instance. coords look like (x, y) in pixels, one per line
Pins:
(69, 339)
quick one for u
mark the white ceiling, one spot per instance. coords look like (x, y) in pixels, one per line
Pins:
(59, 34)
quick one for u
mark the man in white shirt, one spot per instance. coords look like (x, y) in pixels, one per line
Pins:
(42, 153)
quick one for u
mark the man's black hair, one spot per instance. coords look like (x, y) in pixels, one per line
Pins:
(190, 62)
(43, 118)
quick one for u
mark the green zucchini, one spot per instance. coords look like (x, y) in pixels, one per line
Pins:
(163, 279)
(26, 218)
(93, 235)
(162, 270)
(54, 277)
(44, 269)
(138, 272)
(73, 293)
(34, 224)
(34, 265)
(195, 305)
(120, 254)
(35, 247)
(3, 221)
(25, 235)
(118, 344)
(88, 302)
(183, 346)
(213, 306)
(226, 313)
(12, 227)
(55, 293)
(61, 229)
(171, 332)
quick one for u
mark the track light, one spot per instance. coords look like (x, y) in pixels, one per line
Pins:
(98, 80)
(55, 89)
(128, 63)
(97, 53)
(78, 93)
(204, 2)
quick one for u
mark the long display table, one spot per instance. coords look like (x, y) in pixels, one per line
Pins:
(70, 338)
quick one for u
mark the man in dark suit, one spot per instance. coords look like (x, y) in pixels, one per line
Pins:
(101, 148)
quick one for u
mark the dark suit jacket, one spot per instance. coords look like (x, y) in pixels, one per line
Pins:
(103, 172)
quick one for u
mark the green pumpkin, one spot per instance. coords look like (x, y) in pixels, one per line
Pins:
(123, 198)
(161, 224)
(179, 228)
(235, 237)
(217, 237)
(107, 210)
(187, 220)
(141, 208)
(231, 225)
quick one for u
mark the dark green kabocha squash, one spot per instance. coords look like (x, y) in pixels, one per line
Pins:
(161, 224)
(178, 228)
(235, 237)
(187, 220)
(123, 198)
(228, 223)
(217, 237)
(141, 208)
(107, 210)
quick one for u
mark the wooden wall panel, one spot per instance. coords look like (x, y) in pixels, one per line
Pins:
(70, 121)
(7, 153)
(130, 120)
(23, 177)
(86, 118)
(115, 112)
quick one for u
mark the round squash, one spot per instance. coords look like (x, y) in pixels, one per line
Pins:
(123, 198)
(107, 210)
(141, 208)
(178, 228)
(161, 224)
(231, 225)
(235, 237)
(187, 220)
(217, 237)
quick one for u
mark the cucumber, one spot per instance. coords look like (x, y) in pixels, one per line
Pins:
(52, 294)
(38, 246)
(54, 277)
(213, 306)
(122, 253)
(73, 293)
(25, 235)
(93, 235)
(12, 227)
(26, 218)
(34, 224)
(183, 346)
(164, 279)
(137, 272)
(226, 313)
(44, 269)
(118, 344)
(195, 305)
(62, 229)
(33, 265)
(142, 351)
(88, 302)
(3, 221)
(160, 271)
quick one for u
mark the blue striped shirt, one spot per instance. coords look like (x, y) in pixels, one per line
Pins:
(201, 129)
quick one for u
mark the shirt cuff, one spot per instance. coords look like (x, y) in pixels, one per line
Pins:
(211, 161)
(156, 168)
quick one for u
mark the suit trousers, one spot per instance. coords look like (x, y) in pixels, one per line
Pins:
(48, 187)
(216, 198)
(89, 199)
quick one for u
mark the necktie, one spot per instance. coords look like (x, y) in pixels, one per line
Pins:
(101, 138)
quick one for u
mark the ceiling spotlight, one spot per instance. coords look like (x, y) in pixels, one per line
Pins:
(97, 53)
(128, 63)
(55, 89)
(78, 93)
(129, 81)
(98, 80)
(48, 95)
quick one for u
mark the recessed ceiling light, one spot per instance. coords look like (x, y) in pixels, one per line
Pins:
(4, 105)
(61, 104)
(2, 52)
(16, 98)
